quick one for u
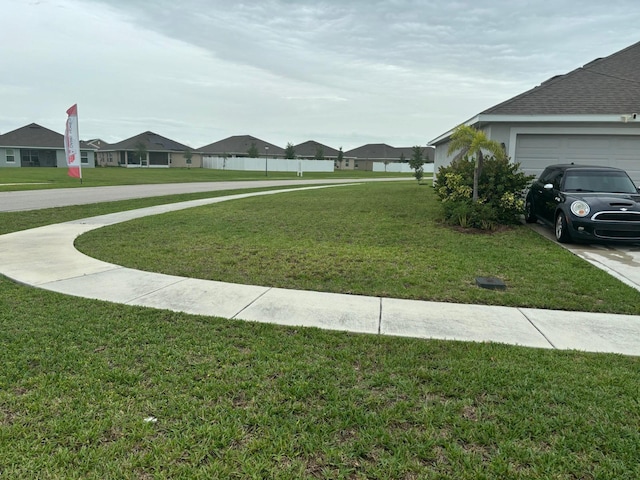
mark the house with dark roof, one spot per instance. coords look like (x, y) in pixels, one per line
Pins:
(241, 146)
(148, 149)
(364, 157)
(590, 115)
(36, 146)
(315, 150)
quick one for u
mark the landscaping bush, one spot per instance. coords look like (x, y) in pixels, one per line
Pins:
(501, 187)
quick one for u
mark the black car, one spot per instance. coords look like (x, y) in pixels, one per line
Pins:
(586, 203)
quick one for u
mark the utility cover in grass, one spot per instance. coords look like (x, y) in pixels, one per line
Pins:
(491, 283)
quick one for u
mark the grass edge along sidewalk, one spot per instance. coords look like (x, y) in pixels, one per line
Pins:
(379, 240)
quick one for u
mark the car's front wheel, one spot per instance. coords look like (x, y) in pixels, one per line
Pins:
(562, 230)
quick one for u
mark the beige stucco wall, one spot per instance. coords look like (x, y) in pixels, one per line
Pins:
(107, 159)
(179, 161)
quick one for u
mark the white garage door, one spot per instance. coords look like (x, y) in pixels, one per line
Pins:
(535, 152)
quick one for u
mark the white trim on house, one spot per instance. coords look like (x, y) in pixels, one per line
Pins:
(486, 119)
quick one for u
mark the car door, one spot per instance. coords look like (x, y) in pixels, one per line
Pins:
(550, 197)
(536, 194)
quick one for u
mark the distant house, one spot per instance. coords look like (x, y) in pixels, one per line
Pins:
(315, 150)
(590, 116)
(364, 157)
(96, 143)
(240, 146)
(36, 146)
(148, 149)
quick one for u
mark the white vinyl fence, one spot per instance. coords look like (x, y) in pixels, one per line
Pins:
(268, 165)
(397, 167)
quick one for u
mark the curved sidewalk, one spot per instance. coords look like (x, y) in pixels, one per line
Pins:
(45, 257)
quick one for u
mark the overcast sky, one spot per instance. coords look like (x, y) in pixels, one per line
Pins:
(341, 72)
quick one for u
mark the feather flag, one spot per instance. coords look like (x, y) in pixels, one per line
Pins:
(72, 143)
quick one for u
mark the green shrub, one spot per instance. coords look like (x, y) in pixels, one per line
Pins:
(501, 188)
(469, 214)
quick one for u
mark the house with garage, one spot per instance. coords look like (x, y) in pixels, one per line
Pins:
(590, 115)
(36, 146)
(148, 149)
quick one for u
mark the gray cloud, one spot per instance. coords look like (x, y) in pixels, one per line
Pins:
(340, 72)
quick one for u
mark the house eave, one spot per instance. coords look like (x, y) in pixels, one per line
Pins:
(18, 147)
(485, 119)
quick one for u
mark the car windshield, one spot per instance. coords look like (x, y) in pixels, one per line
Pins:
(598, 181)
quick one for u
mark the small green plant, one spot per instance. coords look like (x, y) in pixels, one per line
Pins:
(140, 152)
(253, 150)
(416, 162)
(290, 151)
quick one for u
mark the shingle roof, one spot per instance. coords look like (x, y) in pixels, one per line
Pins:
(240, 145)
(375, 151)
(152, 141)
(32, 135)
(310, 148)
(98, 143)
(609, 85)
(36, 136)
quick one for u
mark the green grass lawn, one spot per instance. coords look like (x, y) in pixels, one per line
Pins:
(23, 220)
(40, 178)
(248, 400)
(377, 239)
(231, 399)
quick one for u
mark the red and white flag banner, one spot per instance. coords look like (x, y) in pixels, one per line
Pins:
(72, 143)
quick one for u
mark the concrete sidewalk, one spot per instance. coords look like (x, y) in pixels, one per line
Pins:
(46, 258)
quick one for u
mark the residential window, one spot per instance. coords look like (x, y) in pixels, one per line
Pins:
(11, 158)
(84, 157)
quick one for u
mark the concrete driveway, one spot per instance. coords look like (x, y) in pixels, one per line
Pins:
(620, 261)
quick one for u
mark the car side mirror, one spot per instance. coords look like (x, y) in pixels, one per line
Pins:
(548, 186)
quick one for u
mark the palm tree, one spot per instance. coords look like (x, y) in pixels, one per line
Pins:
(471, 142)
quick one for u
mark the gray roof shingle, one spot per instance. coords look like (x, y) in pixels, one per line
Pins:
(382, 151)
(32, 135)
(152, 141)
(609, 85)
(374, 150)
(310, 148)
(239, 145)
(36, 136)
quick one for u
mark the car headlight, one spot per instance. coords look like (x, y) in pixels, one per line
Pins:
(580, 208)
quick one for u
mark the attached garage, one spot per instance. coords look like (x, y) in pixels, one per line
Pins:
(535, 152)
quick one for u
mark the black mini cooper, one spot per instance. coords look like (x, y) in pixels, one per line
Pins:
(591, 204)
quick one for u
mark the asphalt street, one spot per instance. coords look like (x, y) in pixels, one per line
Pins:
(64, 197)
